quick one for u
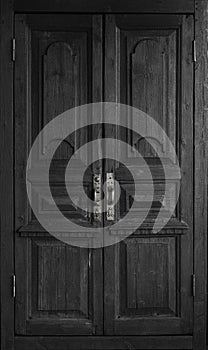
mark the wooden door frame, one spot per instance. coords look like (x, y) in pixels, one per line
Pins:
(7, 8)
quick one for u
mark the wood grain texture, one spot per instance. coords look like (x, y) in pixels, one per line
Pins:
(151, 274)
(56, 285)
(6, 180)
(150, 68)
(97, 131)
(146, 79)
(201, 115)
(62, 279)
(97, 89)
(52, 343)
(186, 155)
(137, 307)
(161, 6)
(107, 343)
(21, 152)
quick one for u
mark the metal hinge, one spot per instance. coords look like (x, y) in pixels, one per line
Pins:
(13, 49)
(94, 329)
(194, 50)
(194, 285)
(90, 259)
(14, 286)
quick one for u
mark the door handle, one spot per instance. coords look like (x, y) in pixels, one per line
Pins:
(110, 197)
(97, 197)
(97, 183)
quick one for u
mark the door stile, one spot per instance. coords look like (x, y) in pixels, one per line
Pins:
(111, 94)
(186, 144)
(97, 93)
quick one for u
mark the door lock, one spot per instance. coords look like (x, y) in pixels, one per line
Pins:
(97, 197)
(110, 210)
(110, 197)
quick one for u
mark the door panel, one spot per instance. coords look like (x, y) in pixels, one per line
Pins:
(151, 68)
(151, 289)
(144, 61)
(61, 286)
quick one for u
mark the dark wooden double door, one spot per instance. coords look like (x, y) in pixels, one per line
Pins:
(141, 286)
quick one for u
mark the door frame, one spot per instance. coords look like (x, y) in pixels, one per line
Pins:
(7, 10)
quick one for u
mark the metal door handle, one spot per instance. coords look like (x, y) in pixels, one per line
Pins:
(97, 197)
(110, 197)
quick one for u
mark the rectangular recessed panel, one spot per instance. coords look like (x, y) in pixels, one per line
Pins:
(149, 274)
(62, 281)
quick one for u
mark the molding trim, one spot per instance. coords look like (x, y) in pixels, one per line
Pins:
(201, 115)
(107, 6)
(6, 179)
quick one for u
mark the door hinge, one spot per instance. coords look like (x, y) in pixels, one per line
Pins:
(94, 329)
(14, 286)
(194, 285)
(13, 49)
(194, 50)
(90, 259)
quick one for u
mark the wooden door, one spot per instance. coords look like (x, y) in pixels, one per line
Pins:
(59, 287)
(143, 285)
(148, 277)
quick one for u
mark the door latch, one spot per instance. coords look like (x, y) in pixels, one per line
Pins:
(97, 197)
(110, 197)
